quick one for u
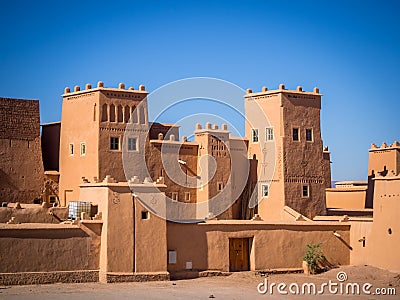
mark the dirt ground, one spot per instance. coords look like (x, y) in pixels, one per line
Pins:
(241, 285)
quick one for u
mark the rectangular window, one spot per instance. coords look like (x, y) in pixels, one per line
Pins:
(187, 196)
(265, 190)
(71, 149)
(174, 196)
(132, 144)
(255, 135)
(309, 135)
(114, 143)
(145, 215)
(296, 136)
(269, 134)
(306, 191)
(220, 186)
(83, 149)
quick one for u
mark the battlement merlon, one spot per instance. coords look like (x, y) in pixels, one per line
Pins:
(211, 128)
(281, 89)
(385, 146)
(100, 87)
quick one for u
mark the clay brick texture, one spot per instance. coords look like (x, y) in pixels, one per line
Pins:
(19, 119)
(21, 166)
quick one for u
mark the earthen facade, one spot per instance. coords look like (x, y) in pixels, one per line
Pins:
(21, 166)
(276, 178)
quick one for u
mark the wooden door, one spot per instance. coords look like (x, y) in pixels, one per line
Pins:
(239, 255)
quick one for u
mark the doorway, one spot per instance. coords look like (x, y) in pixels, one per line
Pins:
(239, 259)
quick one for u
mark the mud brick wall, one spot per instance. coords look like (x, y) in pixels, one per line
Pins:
(21, 166)
(19, 119)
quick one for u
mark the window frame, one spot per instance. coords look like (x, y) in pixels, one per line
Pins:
(298, 134)
(175, 194)
(118, 143)
(83, 147)
(312, 135)
(253, 136)
(308, 191)
(263, 190)
(187, 199)
(268, 132)
(71, 149)
(136, 144)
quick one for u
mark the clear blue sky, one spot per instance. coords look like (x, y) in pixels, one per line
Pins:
(349, 49)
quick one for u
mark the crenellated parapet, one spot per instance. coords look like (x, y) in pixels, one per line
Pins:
(281, 88)
(211, 127)
(384, 146)
(100, 86)
(384, 161)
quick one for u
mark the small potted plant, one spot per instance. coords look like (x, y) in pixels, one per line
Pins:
(312, 257)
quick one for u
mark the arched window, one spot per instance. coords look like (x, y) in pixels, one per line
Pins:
(142, 119)
(104, 113)
(126, 114)
(134, 115)
(112, 113)
(120, 114)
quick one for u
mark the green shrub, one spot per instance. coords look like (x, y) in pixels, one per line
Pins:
(313, 256)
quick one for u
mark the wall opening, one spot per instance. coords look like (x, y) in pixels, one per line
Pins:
(112, 113)
(120, 114)
(127, 114)
(104, 113)
(145, 215)
(134, 115)
(142, 119)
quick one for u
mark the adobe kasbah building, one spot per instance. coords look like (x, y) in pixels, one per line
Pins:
(107, 195)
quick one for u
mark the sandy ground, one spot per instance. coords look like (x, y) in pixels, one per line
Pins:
(241, 285)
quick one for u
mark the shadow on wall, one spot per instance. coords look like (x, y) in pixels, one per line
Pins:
(33, 213)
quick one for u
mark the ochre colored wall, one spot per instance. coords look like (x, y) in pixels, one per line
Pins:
(257, 108)
(297, 163)
(350, 198)
(379, 158)
(82, 122)
(384, 241)
(150, 240)
(79, 124)
(21, 166)
(117, 239)
(280, 245)
(46, 247)
(110, 161)
(128, 243)
(33, 213)
(361, 254)
(21, 170)
(184, 151)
